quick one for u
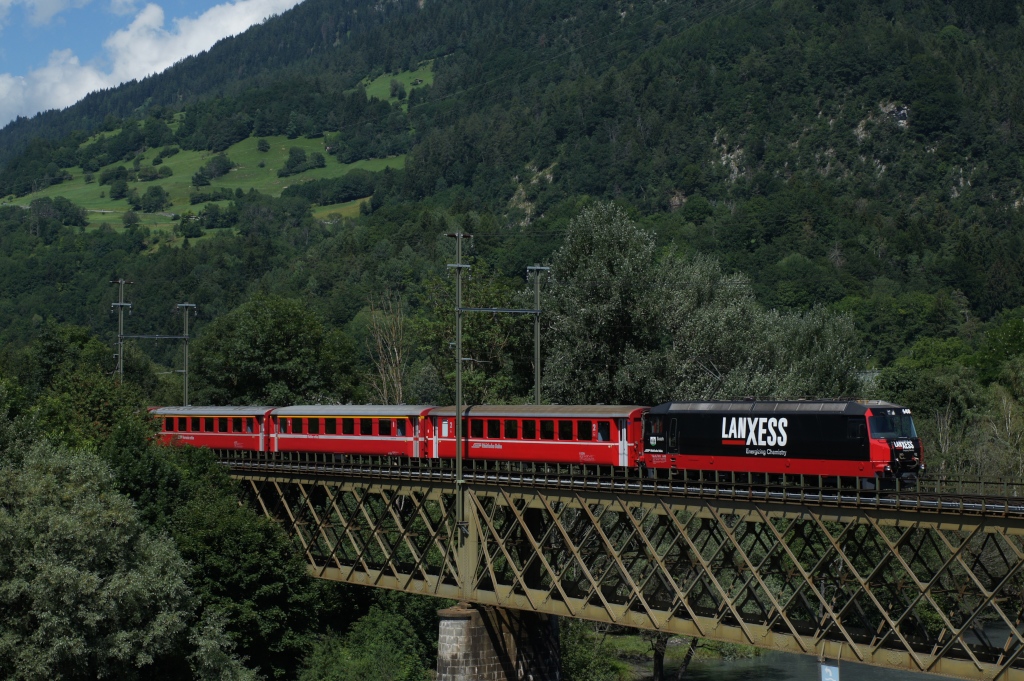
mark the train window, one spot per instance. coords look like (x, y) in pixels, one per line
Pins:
(314, 426)
(476, 428)
(547, 430)
(584, 430)
(512, 429)
(222, 424)
(282, 425)
(565, 430)
(493, 429)
(400, 427)
(297, 426)
(856, 429)
(529, 429)
(604, 431)
(330, 426)
(248, 425)
(168, 424)
(673, 429)
(384, 426)
(348, 426)
(236, 425)
(181, 424)
(366, 426)
(208, 424)
(194, 426)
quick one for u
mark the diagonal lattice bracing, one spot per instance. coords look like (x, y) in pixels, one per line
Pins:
(941, 593)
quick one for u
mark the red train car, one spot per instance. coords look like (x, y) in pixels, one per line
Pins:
(597, 435)
(350, 429)
(829, 438)
(234, 428)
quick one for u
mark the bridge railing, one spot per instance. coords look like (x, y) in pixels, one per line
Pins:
(927, 494)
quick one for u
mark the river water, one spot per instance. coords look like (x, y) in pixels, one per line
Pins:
(773, 666)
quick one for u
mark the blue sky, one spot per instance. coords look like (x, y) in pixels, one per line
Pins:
(54, 52)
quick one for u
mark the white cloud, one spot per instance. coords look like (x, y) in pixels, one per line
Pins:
(40, 11)
(145, 47)
(122, 6)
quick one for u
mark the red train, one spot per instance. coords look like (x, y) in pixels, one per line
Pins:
(863, 439)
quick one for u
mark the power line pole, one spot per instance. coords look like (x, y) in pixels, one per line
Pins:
(186, 308)
(536, 269)
(120, 305)
(458, 266)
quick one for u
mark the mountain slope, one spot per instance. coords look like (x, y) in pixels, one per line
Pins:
(860, 154)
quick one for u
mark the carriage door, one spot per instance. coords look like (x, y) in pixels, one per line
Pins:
(433, 424)
(416, 437)
(623, 443)
(673, 436)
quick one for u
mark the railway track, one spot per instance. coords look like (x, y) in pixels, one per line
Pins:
(973, 498)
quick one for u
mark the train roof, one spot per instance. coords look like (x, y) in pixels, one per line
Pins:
(353, 410)
(578, 411)
(210, 411)
(844, 407)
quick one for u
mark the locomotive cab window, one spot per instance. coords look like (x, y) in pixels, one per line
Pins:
(493, 429)
(366, 426)
(856, 429)
(400, 427)
(584, 430)
(348, 426)
(565, 430)
(384, 426)
(604, 431)
(476, 428)
(511, 429)
(892, 426)
(314, 426)
(330, 426)
(547, 430)
(529, 429)
(673, 433)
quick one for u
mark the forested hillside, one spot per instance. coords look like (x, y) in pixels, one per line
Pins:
(737, 198)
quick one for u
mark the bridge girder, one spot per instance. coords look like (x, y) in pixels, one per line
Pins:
(930, 592)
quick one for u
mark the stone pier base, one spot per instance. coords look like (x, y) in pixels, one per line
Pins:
(480, 643)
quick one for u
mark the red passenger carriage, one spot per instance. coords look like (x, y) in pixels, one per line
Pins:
(593, 435)
(229, 428)
(350, 429)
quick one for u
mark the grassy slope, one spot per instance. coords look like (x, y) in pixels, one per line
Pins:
(380, 87)
(248, 174)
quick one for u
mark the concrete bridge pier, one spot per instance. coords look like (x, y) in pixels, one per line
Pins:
(483, 643)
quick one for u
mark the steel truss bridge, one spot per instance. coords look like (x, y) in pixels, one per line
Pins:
(929, 579)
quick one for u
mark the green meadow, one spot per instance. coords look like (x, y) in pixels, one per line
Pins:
(380, 87)
(255, 170)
